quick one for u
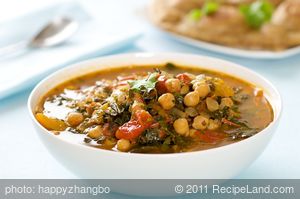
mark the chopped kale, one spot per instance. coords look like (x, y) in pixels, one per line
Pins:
(221, 113)
(122, 117)
(179, 101)
(242, 132)
(115, 109)
(150, 137)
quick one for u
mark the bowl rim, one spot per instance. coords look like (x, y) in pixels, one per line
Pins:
(275, 121)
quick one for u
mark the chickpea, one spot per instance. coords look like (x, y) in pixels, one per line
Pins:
(184, 89)
(200, 122)
(197, 83)
(109, 143)
(181, 126)
(203, 89)
(213, 124)
(94, 132)
(167, 101)
(205, 114)
(123, 145)
(74, 118)
(226, 102)
(212, 105)
(191, 99)
(97, 116)
(173, 85)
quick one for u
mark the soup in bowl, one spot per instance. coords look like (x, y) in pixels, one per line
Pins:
(155, 116)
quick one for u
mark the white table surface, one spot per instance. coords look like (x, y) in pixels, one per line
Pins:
(24, 156)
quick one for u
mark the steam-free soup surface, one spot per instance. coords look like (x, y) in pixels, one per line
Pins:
(155, 109)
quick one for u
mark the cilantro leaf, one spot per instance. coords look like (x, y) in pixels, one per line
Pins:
(144, 85)
(195, 14)
(257, 13)
(210, 7)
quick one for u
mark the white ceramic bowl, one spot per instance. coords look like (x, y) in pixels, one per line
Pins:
(219, 163)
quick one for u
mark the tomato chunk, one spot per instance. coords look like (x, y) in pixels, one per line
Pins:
(140, 122)
(225, 121)
(144, 118)
(130, 130)
(122, 83)
(129, 77)
(210, 136)
(161, 84)
(184, 78)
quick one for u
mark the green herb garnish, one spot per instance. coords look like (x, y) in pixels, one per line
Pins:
(144, 85)
(257, 13)
(195, 14)
(209, 8)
